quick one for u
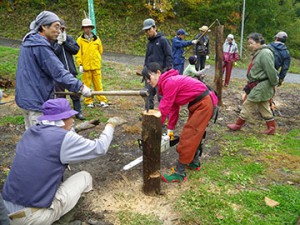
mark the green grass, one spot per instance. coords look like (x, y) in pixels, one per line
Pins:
(231, 189)
(11, 120)
(129, 218)
(8, 62)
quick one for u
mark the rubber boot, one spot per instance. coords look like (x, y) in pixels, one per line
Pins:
(77, 107)
(271, 128)
(236, 126)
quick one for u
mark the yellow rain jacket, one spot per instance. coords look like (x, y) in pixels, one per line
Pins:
(89, 54)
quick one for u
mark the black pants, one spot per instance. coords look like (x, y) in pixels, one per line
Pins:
(152, 93)
(200, 64)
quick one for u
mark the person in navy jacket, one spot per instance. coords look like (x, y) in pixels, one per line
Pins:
(178, 45)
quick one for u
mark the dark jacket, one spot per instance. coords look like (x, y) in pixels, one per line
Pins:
(38, 69)
(202, 47)
(282, 58)
(159, 50)
(65, 53)
(178, 49)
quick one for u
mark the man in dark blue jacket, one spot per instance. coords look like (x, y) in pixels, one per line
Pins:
(39, 67)
(65, 48)
(282, 55)
(178, 44)
(158, 50)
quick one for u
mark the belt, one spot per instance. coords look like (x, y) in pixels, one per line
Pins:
(22, 213)
(197, 99)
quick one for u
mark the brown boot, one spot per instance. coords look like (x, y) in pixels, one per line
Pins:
(236, 126)
(271, 127)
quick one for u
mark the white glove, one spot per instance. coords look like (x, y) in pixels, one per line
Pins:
(116, 121)
(62, 37)
(85, 91)
(194, 42)
(207, 57)
(81, 69)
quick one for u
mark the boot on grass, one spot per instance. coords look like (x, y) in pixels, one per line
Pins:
(174, 177)
(194, 166)
(236, 126)
(271, 128)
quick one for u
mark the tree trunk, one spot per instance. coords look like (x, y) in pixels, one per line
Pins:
(151, 136)
(218, 63)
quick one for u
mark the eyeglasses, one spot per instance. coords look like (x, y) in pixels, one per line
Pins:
(56, 27)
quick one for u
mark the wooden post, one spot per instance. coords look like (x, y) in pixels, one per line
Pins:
(151, 136)
(218, 63)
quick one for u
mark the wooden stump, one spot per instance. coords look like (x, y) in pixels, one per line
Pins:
(218, 63)
(151, 136)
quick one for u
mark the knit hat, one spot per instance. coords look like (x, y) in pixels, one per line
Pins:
(192, 59)
(56, 109)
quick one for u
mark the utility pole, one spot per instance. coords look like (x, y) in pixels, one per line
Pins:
(92, 15)
(242, 30)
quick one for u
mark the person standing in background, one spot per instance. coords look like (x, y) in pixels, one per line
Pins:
(230, 56)
(282, 55)
(158, 50)
(89, 58)
(65, 47)
(262, 78)
(201, 49)
(178, 44)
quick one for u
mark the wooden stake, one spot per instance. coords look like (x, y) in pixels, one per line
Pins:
(151, 136)
(218, 63)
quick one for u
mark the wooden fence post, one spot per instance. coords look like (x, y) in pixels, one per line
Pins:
(151, 136)
(218, 63)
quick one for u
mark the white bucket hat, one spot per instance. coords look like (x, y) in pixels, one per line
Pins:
(87, 23)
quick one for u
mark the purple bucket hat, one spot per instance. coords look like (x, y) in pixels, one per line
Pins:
(57, 109)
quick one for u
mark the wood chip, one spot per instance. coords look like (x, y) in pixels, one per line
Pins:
(271, 202)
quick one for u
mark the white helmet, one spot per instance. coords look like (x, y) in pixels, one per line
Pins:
(87, 23)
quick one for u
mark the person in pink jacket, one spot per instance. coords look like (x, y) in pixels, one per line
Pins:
(230, 56)
(178, 90)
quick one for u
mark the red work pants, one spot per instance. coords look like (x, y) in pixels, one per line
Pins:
(228, 67)
(200, 114)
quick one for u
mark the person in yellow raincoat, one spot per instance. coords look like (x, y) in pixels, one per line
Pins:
(89, 60)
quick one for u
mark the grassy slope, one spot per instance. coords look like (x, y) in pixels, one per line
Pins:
(118, 34)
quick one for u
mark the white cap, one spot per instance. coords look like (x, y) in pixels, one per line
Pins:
(230, 36)
(87, 23)
(281, 34)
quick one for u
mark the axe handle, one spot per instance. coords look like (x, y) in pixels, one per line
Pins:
(143, 93)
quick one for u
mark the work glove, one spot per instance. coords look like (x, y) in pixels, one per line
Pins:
(194, 42)
(170, 133)
(235, 64)
(85, 91)
(81, 69)
(207, 57)
(116, 121)
(280, 82)
(62, 37)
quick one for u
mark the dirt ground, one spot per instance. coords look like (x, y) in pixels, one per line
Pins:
(116, 190)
